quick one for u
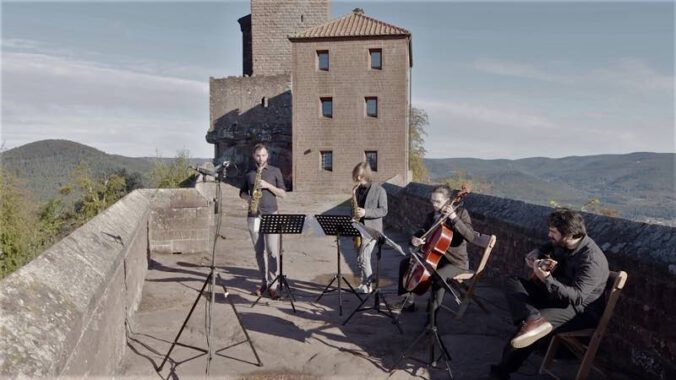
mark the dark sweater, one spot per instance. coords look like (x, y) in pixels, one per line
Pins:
(581, 274)
(462, 233)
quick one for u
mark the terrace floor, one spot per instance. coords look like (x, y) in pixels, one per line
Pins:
(312, 342)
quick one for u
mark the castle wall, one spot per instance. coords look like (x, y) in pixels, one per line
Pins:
(272, 23)
(640, 338)
(248, 110)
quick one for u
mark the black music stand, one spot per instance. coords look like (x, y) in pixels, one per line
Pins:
(338, 225)
(377, 296)
(431, 328)
(281, 224)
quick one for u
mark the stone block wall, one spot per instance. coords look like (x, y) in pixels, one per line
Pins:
(180, 222)
(248, 110)
(272, 22)
(349, 132)
(641, 340)
(64, 313)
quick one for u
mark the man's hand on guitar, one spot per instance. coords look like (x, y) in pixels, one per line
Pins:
(531, 257)
(416, 242)
(539, 272)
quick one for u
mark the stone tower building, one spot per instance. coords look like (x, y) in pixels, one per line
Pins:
(367, 82)
(351, 101)
(256, 107)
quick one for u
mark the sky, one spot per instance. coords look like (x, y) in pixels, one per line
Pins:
(497, 79)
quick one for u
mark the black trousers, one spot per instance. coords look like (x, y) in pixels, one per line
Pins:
(530, 299)
(445, 269)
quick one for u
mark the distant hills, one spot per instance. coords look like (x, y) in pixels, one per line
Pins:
(46, 165)
(640, 186)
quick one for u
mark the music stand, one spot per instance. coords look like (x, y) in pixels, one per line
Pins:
(281, 224)
(338, 225)
(431, 328)
(376, 291)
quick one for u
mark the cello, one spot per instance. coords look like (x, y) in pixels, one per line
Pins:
(437, 240)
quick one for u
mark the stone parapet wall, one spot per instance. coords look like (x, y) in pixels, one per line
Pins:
(181, 221)
(640, 338)
(64, 314)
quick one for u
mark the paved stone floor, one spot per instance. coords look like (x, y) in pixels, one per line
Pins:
(312, 342)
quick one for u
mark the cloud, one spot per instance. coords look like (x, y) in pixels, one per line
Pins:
(634, 73)
(48, 94)
(518, 70)
(627, 73)
(487, 114)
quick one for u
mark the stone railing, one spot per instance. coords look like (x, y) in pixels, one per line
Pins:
(65, 313)
(640, 340)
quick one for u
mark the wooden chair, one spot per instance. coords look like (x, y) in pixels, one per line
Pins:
(466, 282)
(574, 340)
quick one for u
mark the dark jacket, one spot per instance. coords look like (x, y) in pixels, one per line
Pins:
(462, 233)
(581, 274)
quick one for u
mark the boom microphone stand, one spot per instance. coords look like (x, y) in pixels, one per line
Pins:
(210, 282)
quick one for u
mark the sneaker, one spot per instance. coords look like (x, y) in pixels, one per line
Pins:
(274, 294)
(260, 290)
(363, 289)
(531, 331)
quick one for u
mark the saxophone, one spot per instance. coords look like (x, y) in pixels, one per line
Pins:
(357, 239)
(256, 194)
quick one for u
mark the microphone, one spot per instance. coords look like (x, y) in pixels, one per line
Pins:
(203, 171)
(222, 166)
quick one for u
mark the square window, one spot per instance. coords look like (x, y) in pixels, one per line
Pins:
(372, 159)
(327, 107)
(323, 60)
(371, 107)
(327, 161)
(376, 59)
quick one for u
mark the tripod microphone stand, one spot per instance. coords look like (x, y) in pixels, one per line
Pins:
(210, 284)
(377, 296)
(431, 329)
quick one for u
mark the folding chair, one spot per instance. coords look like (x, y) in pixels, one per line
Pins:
(573, 340)
(466, 282)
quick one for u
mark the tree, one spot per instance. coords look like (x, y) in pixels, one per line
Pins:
(94, 195)
(18, 236)
(418, 121)
(460, 178)
(175, 174)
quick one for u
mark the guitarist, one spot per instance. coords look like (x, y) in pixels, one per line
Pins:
(455, 259)
(553, 298)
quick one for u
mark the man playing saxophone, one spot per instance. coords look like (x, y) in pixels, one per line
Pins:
(369, 207)
(260, 190)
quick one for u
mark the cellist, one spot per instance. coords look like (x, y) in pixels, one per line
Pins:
(454, 260)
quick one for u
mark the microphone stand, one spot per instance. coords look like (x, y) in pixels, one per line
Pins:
(210, 282)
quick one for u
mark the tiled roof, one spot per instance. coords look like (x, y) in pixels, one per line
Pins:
(354, 24)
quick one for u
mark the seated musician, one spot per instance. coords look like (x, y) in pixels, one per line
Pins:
(555, 295)
(455, 259)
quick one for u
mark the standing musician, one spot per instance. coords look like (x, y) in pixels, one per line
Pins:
(260, 190)
(371, 207)
(454, 260)
(564, 285)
